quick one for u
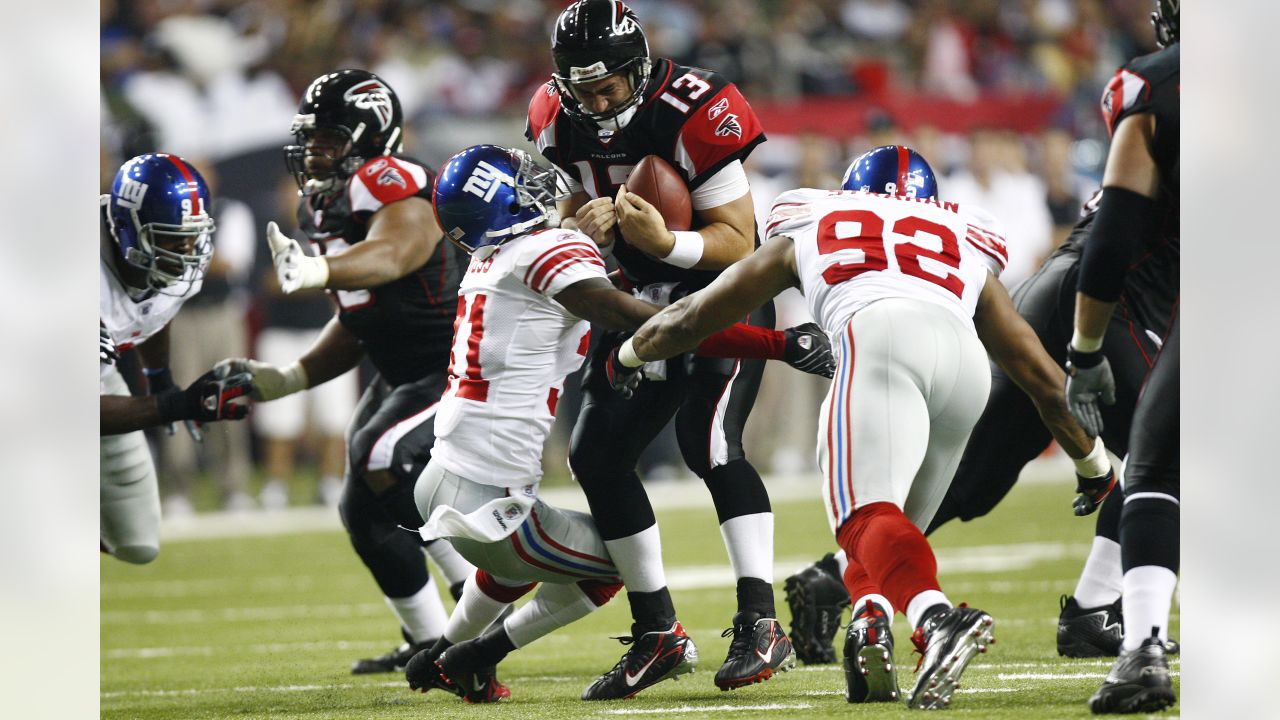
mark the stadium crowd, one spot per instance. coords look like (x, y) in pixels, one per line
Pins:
(218, 81)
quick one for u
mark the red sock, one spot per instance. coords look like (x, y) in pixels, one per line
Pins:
(892, 551)
(857, 581)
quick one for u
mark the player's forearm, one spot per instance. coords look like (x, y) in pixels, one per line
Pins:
(367, 265)
(723, 245)
(676, 328)
(119, 414)
(1091, 320)
(335, 351)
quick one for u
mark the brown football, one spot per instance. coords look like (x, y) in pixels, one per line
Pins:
(657, 182)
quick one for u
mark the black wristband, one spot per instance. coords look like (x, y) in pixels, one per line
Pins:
(1081, 359)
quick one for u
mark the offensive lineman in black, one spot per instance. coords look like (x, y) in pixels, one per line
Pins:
(367, 210)
(608, 105)
(1137, 216)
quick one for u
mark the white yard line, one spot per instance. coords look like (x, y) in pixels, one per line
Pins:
(686, 709)
(1060, 676)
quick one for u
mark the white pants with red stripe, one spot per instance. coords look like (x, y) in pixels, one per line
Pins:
(552, 545)
(129, 493)
(911, 381)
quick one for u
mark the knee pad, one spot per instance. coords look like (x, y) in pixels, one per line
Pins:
(136, 554)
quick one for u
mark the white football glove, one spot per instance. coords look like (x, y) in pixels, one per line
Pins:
(295, 269)
(269, 382)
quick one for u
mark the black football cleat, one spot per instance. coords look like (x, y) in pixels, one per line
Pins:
(947, 642)
(394, 661)
(652, 658)
(1089, 632)
(817, 598)
(759, 649)
(1138, 682)
(869, 671)
(460, 671)
(1094, 632)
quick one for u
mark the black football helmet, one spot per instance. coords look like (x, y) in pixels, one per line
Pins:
(593, 39)
(1165, 21)
(345, 118)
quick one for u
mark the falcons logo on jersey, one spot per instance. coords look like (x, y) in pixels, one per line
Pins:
(729, 126)
(372, 95)
(392, 176)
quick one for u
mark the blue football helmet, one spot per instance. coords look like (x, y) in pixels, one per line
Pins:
(486, 195)
(892, 170)
(158, 216)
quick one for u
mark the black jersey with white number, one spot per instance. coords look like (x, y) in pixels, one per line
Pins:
(693, 118)
(406, 325)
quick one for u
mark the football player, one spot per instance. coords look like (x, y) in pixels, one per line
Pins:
(1137, 218)
(366, 209)
(907, 284)
(520, 333)
(609, 104)
(155, 244)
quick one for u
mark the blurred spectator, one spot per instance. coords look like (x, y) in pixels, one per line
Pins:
(290, 323)
(997, 180)
(211, 327)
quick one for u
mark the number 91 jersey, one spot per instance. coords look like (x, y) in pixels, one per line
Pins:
(513, 347)
(854, 248)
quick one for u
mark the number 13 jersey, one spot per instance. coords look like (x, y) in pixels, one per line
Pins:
(854, 248)
(513, 346)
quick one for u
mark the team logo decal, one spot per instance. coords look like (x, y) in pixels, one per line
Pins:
(392, 176)
(623, 25)
(729, 126)
(485, 180)
(372, 95)
(131, 193)
(512, 511)
(716, 110)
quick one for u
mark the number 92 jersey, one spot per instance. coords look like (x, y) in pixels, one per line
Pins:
(854, 248)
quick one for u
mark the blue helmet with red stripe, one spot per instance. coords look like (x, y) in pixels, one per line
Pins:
(486, 195)
(158, 216)
(892, 170)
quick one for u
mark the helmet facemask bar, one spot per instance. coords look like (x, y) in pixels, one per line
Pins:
(637, 71)
(172, 272)
(538, 187)
(1165, 22)
(340, 165)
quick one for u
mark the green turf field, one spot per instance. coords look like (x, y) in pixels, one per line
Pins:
(267, 627)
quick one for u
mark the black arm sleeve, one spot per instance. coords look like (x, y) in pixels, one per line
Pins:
(1123, 220)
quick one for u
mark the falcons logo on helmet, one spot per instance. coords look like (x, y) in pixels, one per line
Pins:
(729, 126)
(374, 96)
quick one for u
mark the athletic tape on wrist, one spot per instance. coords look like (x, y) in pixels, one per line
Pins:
(1096, 463)
(627, 355)
(687, 250)
(1085, 344)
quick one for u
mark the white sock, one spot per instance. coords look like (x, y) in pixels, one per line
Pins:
(842, 561)
(923, 601)
(474, 612)
(878, 599)
(1101, 580)
(422, 613)
(453, 566)
(749, 540)
(551, 609)
(639, 560)
(1148, 590)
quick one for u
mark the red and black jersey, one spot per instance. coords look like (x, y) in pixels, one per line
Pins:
(1150, 84)
(693, 118)
(406, 325)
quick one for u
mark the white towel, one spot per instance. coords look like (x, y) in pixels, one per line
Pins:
(491, 522)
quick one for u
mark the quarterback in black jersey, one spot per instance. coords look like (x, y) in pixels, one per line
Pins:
(1137, 216)
(608, 105)
(366, 209)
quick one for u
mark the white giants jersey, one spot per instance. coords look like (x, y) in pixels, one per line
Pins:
(513, 346)
(854, 248)
(130, 322)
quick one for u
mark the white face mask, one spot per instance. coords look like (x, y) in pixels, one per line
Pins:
(619, 121)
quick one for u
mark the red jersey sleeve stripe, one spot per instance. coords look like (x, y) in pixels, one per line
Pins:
(981, 248)
(994, 242)
(545, 265)
(571, 262)
(533, 266)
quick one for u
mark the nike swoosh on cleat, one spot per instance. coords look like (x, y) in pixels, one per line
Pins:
(768, 655)
(632, 680)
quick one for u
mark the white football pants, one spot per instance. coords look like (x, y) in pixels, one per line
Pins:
(911, 381)
(129, 493)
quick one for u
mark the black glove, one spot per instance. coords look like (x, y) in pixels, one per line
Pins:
(624, 380)
(107, 354)
(1092, 492)
(207, 399)
(809, 350)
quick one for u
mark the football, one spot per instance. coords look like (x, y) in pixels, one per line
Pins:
(657, 182)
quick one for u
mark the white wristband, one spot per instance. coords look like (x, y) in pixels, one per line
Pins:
(295, 377)
(627, 355)
(1085, 344)
(1096, 463)
(687, 250)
